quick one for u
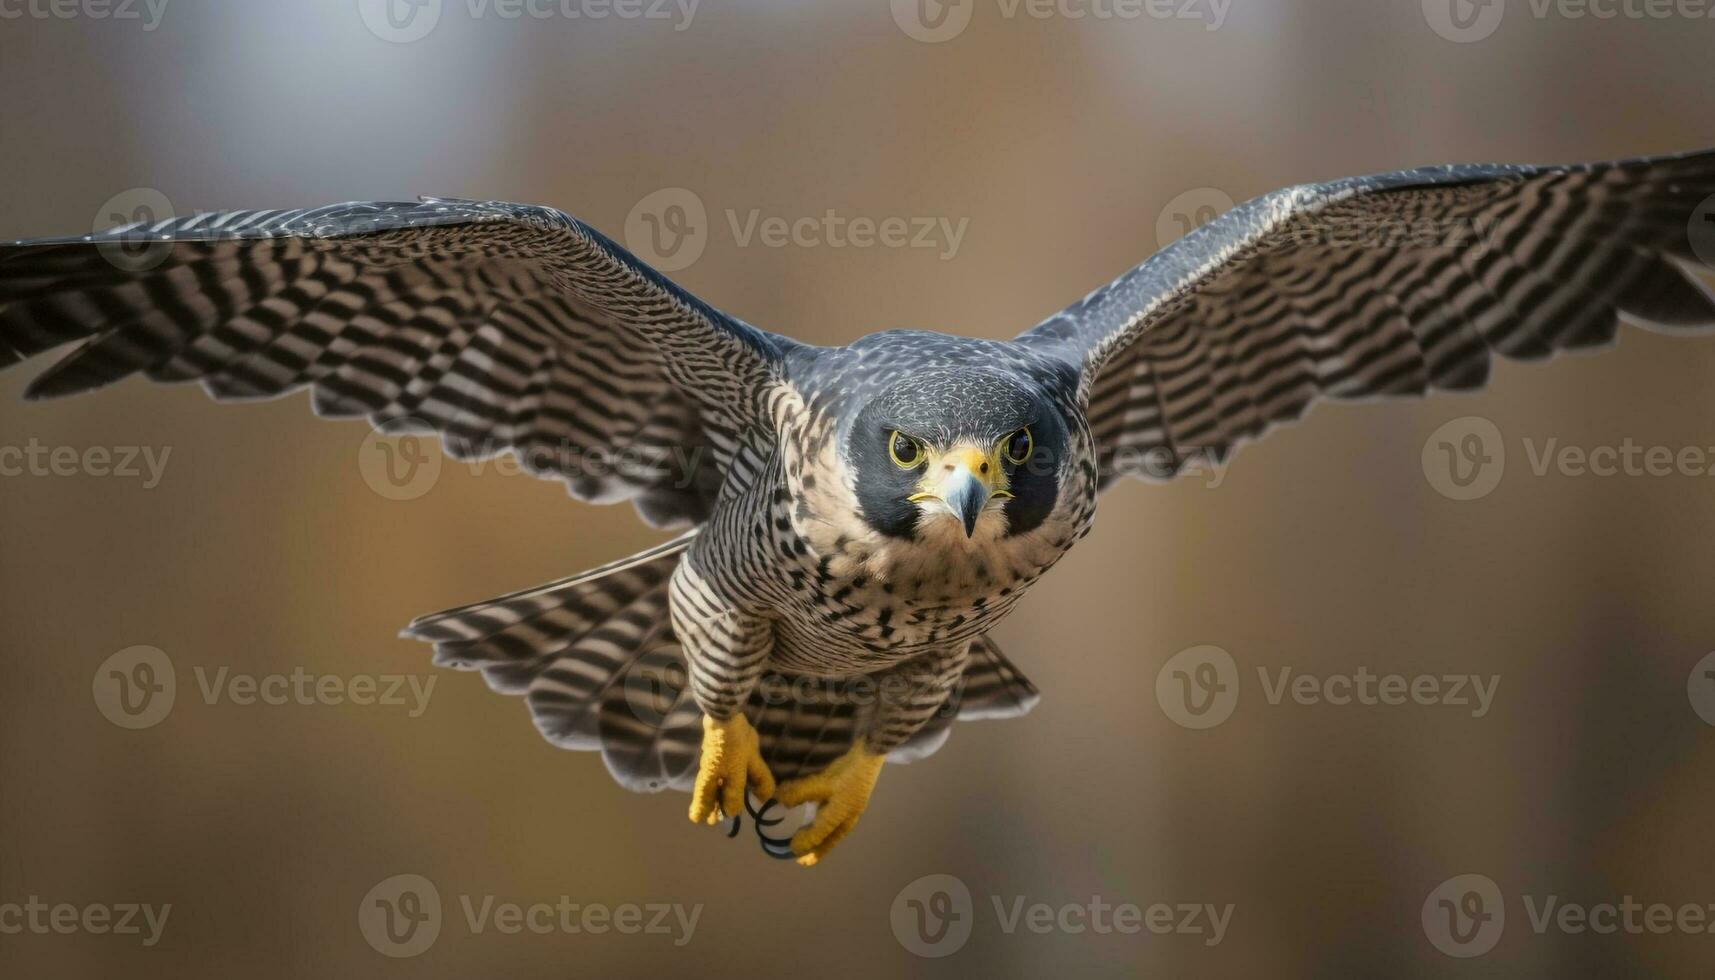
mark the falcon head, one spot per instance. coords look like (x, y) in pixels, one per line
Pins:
(971, 450)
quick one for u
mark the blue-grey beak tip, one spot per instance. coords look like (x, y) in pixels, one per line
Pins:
(967, 501)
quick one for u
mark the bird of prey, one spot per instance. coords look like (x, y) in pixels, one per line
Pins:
(860, 517)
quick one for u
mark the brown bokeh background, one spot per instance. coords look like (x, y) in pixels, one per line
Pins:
(1325, 548)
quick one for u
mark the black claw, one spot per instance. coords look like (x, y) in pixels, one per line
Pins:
(758, 815)
(779, 848)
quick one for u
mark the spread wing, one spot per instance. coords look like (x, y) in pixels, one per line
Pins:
(499, 326)
(1400, 284)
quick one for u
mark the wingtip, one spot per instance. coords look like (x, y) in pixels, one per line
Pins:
(429, 628)
(49, 387)
(63, 380)
(418, 629)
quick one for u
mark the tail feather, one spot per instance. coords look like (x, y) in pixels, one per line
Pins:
(570, 689)
(992, 686)
(650, 727)
(595, 658)
(579, 597)
(801, 735)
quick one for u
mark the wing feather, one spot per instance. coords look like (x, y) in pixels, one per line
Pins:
(499, 326)
(1400, 284)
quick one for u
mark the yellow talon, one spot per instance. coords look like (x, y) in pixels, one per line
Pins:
(841, 792)
(731, 759)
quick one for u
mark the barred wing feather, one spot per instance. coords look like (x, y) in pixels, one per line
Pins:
(1395, 285)
(499, 326)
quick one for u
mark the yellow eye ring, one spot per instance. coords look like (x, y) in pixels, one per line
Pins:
(907, 452)
(1016, 452)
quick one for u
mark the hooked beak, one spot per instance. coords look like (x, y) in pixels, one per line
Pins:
(965, 479)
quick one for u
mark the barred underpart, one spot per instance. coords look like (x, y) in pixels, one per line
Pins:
(596, 660)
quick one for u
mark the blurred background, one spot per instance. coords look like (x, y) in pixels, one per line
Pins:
(1061, 149)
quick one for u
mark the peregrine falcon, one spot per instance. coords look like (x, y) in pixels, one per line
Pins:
(859, 517)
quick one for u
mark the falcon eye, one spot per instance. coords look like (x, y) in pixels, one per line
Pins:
(907, 452)
(1018, 447)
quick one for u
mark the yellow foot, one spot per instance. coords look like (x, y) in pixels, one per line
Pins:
(730, 760)
(840, 792)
